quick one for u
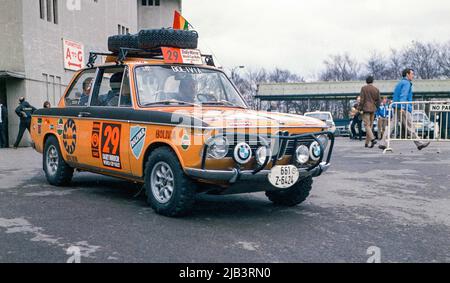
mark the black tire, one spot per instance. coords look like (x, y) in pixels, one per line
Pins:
(183, 195)
(153, 38)
(116, 42)
(63, 174)
(292, 196)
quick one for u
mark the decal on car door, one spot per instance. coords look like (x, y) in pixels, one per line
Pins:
(95, 140)
(110, 146)
(70, 136)
(137, 139)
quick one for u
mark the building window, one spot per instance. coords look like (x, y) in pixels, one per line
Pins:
(55, 12)
(151, 2)
(49, 10)
(42, 9)
(53, 88)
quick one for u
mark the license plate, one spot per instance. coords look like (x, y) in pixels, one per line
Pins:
(284, 177)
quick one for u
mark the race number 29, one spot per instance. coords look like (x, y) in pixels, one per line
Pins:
(111, 145)
(111, 135)
(172, 55)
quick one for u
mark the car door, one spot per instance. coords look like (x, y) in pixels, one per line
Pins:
(68, 125)
(108, 123)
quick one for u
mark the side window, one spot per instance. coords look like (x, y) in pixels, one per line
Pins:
(125, 92)
(80, 90)
(107, 87)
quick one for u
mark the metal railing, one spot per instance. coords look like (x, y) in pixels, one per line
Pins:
(419, 122)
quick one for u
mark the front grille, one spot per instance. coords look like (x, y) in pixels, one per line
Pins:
(288, 148)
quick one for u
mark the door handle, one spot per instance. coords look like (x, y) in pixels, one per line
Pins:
(84, 114)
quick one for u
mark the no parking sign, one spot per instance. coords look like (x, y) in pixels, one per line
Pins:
(73, 55)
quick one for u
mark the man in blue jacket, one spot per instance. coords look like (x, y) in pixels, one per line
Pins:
(403, 112)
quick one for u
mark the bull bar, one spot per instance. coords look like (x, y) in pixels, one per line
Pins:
(259, 174)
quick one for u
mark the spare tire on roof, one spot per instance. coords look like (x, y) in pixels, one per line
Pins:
(116, 42)
(153, 38)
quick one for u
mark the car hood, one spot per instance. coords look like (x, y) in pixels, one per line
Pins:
(244, 118)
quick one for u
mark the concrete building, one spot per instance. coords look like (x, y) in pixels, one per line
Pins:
(32, 54)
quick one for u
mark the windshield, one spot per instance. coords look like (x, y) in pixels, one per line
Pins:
(419, 117)
(320, 116)
(181, 85)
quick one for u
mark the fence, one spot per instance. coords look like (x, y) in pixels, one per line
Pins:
(422, 121)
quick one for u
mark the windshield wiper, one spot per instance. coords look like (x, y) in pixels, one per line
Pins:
(170, 102)
(222, 102)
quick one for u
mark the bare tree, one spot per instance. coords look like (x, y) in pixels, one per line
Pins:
(395, 65)
(378, 66)
(444, 59)
(340, 68)
(423, 58)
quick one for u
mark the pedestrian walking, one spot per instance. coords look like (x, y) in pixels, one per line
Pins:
(356, 120)
(404, 93)
(3, 123)
(370, 101)
(24, 111)
(382, 115)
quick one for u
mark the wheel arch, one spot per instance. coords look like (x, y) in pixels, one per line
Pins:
(158, 144)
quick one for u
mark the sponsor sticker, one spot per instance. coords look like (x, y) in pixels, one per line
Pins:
(60, 127)
(72, 159)
(137, 140)
(182, 56)
(163, 134)
(188, 70)
(95, 140)
(39, 127)
(185, 141)
(70, 136)
(111, 145)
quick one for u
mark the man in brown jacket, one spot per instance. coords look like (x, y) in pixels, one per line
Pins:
(370, 101)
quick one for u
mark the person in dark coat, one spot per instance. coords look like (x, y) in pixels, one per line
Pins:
(25, 110)
(3, 123)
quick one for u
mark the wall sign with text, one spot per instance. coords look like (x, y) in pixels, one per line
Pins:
(73, 55)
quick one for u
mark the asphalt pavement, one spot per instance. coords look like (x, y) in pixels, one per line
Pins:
(397, 205)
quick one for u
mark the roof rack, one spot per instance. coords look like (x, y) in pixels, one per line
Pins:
(124, 53)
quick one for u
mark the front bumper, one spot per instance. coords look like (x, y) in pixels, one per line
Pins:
(235, 175)
(260, 174)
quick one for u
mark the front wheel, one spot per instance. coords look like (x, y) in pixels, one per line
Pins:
(56, 170)
(169, 191)
(292, 196)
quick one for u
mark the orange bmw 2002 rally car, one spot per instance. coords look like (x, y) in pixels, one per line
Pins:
(160, 114)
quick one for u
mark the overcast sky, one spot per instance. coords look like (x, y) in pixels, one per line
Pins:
(299, 34)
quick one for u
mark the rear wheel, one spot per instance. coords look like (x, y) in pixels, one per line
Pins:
(292, 196)
(56, 170)
(169, 191)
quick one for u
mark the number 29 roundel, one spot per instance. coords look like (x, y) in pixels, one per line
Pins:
(110, 146)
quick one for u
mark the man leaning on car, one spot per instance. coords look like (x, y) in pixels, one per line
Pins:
(370, 101)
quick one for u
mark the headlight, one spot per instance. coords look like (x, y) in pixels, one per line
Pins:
(261, 155)
(242, 153)
(315, 151)
(302, 154)
(323, 139)
(218, 148)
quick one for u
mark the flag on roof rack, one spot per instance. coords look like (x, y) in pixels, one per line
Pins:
(180, 22)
